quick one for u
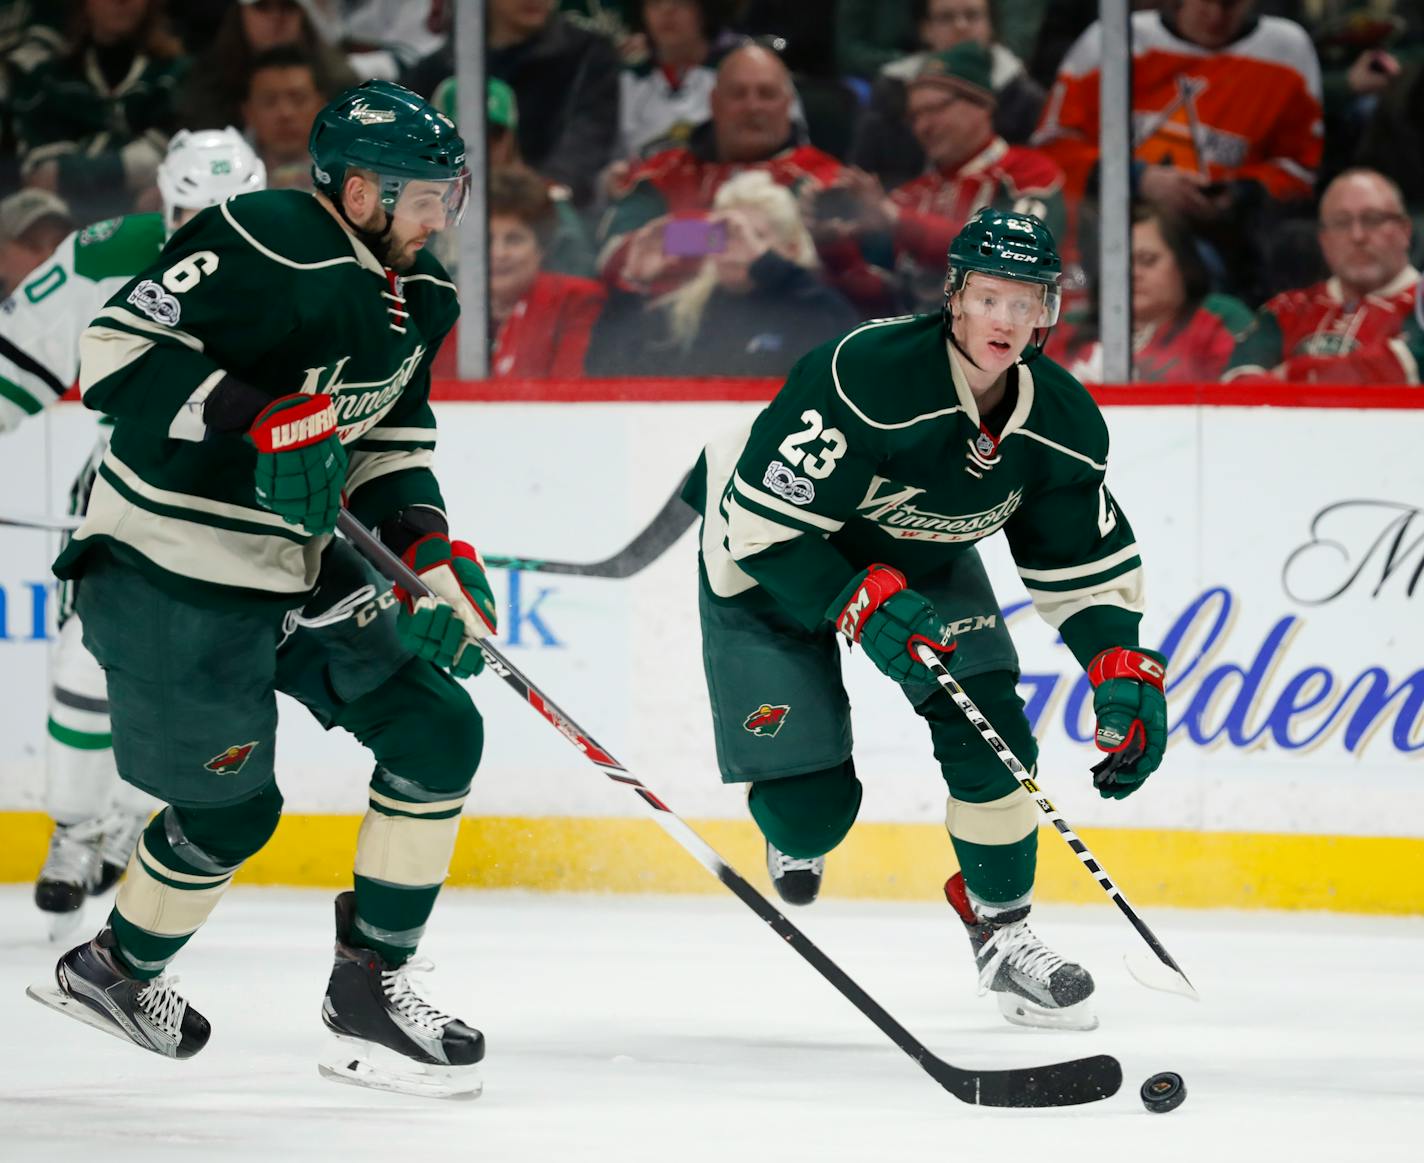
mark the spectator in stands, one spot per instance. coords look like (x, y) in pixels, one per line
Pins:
(1226, 112)
(1394, 138)
(31, 31)
(950, 112)
(665, 94)
(1345, 329)
(283, 99)
(871, 34)
(751, 128)
(93, 122)
(570, 250)
(540, 322)
(217, 85)
(1180, 331)
(381, 38)
(566, 80)
(754, 307)
(32, 224)
(884, 144)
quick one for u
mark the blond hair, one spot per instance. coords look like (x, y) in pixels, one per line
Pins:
(751, 190)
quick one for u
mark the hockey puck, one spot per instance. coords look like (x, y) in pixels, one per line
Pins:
(1163, 1092)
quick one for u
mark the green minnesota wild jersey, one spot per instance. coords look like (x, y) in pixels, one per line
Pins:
(873, 451)
(267, 287)
(41, 321)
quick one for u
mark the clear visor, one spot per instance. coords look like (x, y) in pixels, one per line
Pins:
(1007, 300)
(432, 205)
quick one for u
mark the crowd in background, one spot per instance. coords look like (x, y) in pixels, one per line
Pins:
(711, 187)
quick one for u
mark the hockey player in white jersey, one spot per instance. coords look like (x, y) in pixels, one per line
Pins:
(97, 817)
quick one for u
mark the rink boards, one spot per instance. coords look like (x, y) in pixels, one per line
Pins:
(1283, 548)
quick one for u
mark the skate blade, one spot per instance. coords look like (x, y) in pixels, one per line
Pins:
(359, 1063)
(48, 994)
(1022, 1012)
(1153, 974)
(63, 928)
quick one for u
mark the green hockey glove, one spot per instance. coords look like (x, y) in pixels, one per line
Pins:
(1131, 709)
(446, 629)
(889, 621)
(301, 466)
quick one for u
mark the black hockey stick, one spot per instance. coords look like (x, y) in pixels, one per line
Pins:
(1059, 1084)
(658, 536)
(674, 517)
(1167, 975)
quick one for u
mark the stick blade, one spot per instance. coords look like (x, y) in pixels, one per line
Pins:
(1074, 1083)
(1154, 974)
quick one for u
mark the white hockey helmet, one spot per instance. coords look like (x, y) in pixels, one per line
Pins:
(204, 167)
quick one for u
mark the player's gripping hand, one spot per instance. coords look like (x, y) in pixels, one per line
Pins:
(301, 466)
(446, 629)
(1132, 718)
(889, 621)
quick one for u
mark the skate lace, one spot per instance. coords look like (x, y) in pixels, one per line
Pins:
(162, 1005)
(409, 1004)
(1018, 945)
(74, 853)
(785, 863)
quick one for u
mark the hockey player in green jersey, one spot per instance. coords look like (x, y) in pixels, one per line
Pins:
(275, 358)
(97, 818)
(851, 509)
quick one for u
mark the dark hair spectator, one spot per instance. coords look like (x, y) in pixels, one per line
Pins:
(566, 80)
(1393, 140)
(1345, 329)
(751, 128)
(217, 84)
(1226, 109)
(32, 31)
(282, 100)
(949, 110)
(1181, 332)
(884, 144)
(665, 94)
(93, 122)
(754, 307)
(540, 322)
(871, 34)
(32, 224)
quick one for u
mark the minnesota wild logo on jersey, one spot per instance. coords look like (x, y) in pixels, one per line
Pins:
(270, 289)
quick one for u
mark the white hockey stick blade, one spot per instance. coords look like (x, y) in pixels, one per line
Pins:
(359, 1063)
(1148, 971)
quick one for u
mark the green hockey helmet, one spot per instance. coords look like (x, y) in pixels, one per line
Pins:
(397, 136)
(1007, 245)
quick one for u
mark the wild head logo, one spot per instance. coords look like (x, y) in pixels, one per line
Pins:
(766, 720)
(230, 761)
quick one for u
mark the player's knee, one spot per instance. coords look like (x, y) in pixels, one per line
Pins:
(970, 767)
(210, 839)
(449, 739)
(807, 815)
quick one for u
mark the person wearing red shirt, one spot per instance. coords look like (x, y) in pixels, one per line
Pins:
(1347, 328)
(540, 322)
(1180, 333)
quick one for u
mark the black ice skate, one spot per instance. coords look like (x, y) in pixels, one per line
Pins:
(388, 1037)
(798, 882)
(1033, 984)
(93, 987)
(72, 871)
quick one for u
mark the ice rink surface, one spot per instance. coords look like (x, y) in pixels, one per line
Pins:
(682, 1030)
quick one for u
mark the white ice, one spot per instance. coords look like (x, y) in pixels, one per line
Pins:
(682, 1030)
